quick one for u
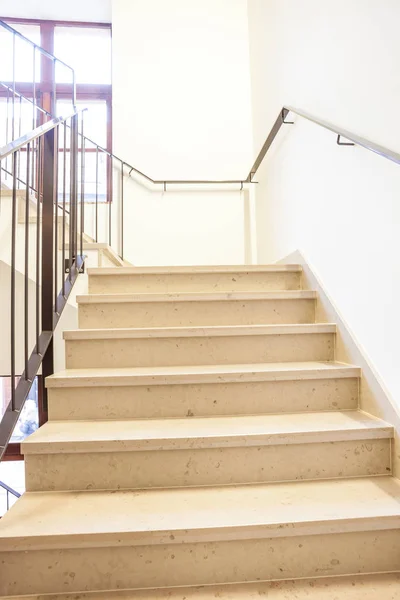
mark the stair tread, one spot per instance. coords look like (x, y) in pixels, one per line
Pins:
(209, 331)
(352, 587)
(195, 296)
(62, 519)
(277, 268)
(201, 373)
(204, 432)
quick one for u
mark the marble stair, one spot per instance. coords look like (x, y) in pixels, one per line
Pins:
(202, 443)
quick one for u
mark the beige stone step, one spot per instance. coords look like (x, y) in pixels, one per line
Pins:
(71, 541)
(195, 309)
(79, 455)
(207, 390)
(352, 587)
(169, 346)
(195, 279)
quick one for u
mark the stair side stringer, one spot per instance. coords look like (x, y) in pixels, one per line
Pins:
(374, 397)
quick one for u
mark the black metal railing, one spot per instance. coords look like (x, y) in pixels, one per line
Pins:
(43, 250)
(9, 491)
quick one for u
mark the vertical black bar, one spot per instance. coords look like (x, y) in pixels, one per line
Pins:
(82, 187)
(19, 135)
(13, 248)
(13, 89)
(7, 124)
(109, 211)
(97, 195)
(56, 151)
(26, 270)
(63, 206)
(122, 210)
(49, 183)
(74, 191)
(38, 211)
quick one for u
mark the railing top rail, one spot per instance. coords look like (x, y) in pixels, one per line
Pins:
(352, 137)
(38, 48)
(32, 135)
(9, 489)
(356, 139)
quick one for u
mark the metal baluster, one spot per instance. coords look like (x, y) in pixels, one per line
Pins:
(122, 210)
(97, 193)
(13, 250)
(109, 209)
(82, 186)
(38, 204)
(19, 135)
(63, 204)
(7, 124)
(13, 89)
(26, 282)
(55, 200)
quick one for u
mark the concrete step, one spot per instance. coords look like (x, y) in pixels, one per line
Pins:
(195, 279)
(198, 391)
(74, 541)
(353, 587)
(103, 348)
(191, 309)
(80, 455)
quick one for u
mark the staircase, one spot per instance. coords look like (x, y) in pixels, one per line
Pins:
(202, 434)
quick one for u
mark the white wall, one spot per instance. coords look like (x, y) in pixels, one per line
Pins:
(339, 205)
(182, 110)
(98, 11)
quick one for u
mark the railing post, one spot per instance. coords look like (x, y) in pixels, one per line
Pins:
(47, 278)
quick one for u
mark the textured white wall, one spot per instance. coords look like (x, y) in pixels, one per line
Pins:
(337, 60)
(182, 110)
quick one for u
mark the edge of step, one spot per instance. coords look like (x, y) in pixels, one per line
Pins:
(191, 515)
(374, 586)
(135, 435)
(201, 374)
(197, 269)
(210, 331)
(195, 297)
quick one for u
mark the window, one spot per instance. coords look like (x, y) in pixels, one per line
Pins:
(86, 47)
(87, 50)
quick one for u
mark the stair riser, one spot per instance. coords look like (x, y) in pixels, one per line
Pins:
(202, 313)
(196, 282)
(105, 568)
(198, 400)
(150, 352)
(207, 466)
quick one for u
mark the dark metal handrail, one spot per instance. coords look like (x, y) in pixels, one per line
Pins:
(42, 305)
(25, 139)
(355, 140)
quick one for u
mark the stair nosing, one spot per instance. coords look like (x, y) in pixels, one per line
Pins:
(361, 431)
(163, 526)
(157, 376)
(201, 332)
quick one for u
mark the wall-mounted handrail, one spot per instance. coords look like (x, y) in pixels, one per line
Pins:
(339, 131)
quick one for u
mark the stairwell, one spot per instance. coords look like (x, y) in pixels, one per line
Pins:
(204, 443)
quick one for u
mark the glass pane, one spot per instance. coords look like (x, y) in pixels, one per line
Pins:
(28, 421)
(25, 118)
(24, 54)
(87, 50)
(94, 119)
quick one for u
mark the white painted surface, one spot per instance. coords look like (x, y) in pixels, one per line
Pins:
(181, 110)
(339, 205)
(73, 10)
